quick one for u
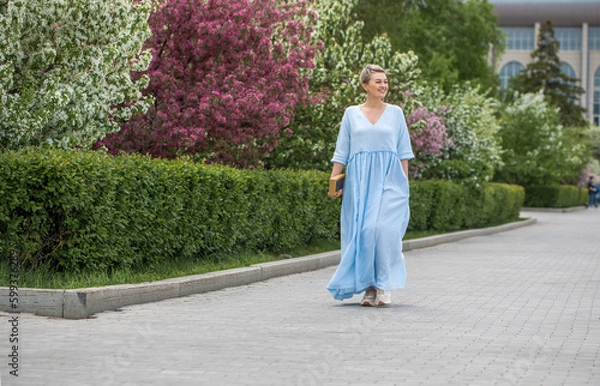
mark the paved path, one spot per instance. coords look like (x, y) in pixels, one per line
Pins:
(520, 307)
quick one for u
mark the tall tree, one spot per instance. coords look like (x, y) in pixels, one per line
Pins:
(452, 38)
(335, 85)
(545, 73)
(225, 77)
(65, 69)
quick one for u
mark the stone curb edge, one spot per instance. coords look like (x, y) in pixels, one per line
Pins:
(85, 302)
(554, 210)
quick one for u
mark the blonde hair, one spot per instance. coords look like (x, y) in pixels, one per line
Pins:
(365, 74)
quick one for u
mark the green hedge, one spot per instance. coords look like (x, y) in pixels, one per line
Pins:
(554, 196)
(77, 209)
(80, 210)
(442, 205)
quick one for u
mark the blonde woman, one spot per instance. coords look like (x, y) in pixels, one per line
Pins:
(373, 145)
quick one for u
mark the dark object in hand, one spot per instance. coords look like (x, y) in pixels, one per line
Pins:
(335, 184)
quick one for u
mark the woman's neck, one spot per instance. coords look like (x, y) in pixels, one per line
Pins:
(371, 102)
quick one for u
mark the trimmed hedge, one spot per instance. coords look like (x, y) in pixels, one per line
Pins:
(442, 205)
(77, 210)
(555, 196)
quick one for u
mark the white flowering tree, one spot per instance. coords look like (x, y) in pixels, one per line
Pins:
(474, 150)
(538, 151)
(65, 69)
(335, 85)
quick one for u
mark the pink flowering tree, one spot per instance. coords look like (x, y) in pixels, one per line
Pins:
(428, 138)
(226, 76)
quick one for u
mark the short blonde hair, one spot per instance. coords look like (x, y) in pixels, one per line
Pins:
(365, 74)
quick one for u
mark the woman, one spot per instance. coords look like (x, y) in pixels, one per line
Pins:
(374, 146)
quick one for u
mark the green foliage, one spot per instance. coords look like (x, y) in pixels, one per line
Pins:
(449, 203)
(594, 135)
(538, 151)
(335, 85)
(578, 150)
(76, 210)
(473, 131)
(65, 69)
(421, 205)
(500, 201)
(452, 38)
(545, 73)
(471, 173)
(442, 205)
(468, 114)
(554, 196)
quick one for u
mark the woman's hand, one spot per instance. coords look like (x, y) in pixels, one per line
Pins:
(338, 168)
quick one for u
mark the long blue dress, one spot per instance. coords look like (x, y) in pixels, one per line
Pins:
(375, 210)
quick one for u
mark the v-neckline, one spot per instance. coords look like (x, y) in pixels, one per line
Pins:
(378, 118)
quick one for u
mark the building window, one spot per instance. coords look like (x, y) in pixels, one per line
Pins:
(567, 70)
(596, 108)
(520, 38)
(509, 70)
(570, 72)
(594, 38)
(569, 38)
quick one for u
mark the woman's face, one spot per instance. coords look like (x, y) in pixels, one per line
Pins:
(377, 86)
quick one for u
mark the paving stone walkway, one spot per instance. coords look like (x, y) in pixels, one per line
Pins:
(515, 308)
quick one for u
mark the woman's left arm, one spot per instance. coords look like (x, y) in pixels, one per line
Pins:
(405, 167)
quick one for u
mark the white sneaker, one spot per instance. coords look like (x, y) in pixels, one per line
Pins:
(368, 299)
(383, 298)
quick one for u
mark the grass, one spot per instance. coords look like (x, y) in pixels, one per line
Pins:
(43, 277)
(50, 279)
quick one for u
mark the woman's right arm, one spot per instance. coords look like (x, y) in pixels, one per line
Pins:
(342, 149)
(337, 169)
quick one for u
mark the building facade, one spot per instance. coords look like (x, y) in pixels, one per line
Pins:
(576, 27)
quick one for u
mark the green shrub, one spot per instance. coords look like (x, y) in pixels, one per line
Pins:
(447, 206)
(554, 196)
(421, 205)
(501, 202)
(82, 210)
(86, 210)
(459, 171)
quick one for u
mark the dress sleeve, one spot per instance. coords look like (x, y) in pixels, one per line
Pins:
(342, 146)
(404, 148)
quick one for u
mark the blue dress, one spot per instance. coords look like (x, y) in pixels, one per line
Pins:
(375, 210)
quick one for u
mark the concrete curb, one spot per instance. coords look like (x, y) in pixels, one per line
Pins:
(85, 302)
(455, 236)
(554, 210)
